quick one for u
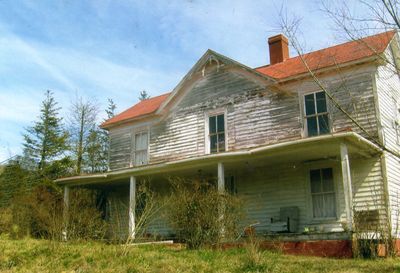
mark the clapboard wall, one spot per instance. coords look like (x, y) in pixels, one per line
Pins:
(388, 97)
(256, 114)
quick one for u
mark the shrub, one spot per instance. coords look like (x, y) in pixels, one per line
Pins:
(40, 214)
(200, 215)
(36, 213)
(148, 208)
(5, 220)
(84, 219)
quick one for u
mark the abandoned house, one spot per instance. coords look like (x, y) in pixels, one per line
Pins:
(310, 143)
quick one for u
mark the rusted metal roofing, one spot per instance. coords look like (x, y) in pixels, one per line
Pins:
(144, 107)
(329, 57)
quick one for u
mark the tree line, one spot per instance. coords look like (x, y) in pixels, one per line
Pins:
(55, 147)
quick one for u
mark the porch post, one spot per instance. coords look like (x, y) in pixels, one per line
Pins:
(65, 212)
(221, 190)
(132, 205)
(221, 177)
(347, 186)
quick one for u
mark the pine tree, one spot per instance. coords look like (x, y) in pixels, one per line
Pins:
(110, 111)
(101, 151)
(13, 182)
(95, 157)
(45, 141)
(143, 95)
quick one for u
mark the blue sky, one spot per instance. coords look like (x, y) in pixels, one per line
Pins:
(114, 49)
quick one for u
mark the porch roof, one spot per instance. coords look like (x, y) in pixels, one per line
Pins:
(305, 149)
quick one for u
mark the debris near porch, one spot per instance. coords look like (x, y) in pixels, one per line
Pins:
(167, 242)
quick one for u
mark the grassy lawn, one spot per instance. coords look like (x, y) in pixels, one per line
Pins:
(31, 255)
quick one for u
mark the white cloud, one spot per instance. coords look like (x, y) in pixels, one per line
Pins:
(20, 104)
(23, 49)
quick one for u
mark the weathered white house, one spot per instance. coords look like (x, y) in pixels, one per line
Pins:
(326, 161)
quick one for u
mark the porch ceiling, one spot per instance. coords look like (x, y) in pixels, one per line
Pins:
(302, 150)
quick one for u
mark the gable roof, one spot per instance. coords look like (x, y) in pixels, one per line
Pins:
(331, 56)
(153, 105)
(324, 58)
(142, 108)
(208, 57)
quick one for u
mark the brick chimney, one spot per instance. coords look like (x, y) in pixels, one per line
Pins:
(278, 49)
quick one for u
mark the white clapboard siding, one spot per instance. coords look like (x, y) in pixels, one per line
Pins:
(368, 188)
(255, 115)
(356, 96)
(267, 190)
(388, 89)
(120, 148)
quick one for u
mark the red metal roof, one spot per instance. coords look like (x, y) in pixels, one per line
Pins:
(324, 58)
(331, 56)
(142, 108)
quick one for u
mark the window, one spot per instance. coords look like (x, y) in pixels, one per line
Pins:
(323, 193)
(316, 114)
(216, 133)
(139, 155)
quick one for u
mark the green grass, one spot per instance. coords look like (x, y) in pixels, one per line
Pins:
(31, 255)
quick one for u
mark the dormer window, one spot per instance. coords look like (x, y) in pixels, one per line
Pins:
(316, 114)
(216, 133)
(140, 149)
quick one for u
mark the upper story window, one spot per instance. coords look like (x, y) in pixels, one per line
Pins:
(316, 114)
(216, 133)
(323, 193)
(140, 149)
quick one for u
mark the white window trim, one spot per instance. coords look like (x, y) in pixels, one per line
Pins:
(336, 189)
(134, 132)
(207, 115)
(304, 116)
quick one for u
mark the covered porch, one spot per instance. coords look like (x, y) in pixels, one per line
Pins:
(283, 198)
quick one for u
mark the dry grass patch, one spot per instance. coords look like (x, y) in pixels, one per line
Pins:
(29, 255)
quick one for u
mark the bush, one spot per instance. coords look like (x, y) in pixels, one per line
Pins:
(40, 214)
(200, 215)
(5, 220)
(85, 220)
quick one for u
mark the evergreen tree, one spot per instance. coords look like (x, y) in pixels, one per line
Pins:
(110, 110)
(45, 141)
(143, 95)
(98, 148)
(13, 182)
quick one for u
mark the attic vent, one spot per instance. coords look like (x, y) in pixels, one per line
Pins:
(211, 62)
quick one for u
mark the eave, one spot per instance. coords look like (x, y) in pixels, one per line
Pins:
(360, 144)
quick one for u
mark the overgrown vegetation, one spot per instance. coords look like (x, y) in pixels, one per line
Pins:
(30, 255)
(30, 202)
(201, 215)
(40, 214)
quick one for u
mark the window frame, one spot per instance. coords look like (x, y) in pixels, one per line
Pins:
(207, 116)
(133, 147)
(310, 194)
(305, 116)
